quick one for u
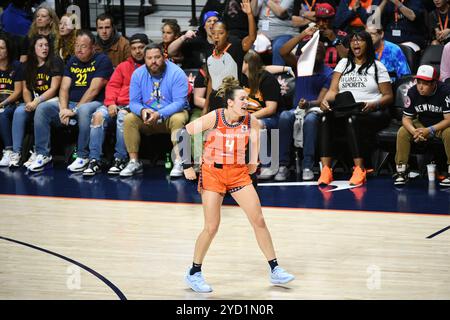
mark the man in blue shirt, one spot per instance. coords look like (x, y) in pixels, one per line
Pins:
(158, 103)
(82, 92)
(390, 54)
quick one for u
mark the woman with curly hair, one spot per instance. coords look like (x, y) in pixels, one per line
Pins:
(67, 36)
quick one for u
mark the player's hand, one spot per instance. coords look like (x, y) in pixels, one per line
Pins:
(325, 106)
(252, 168)
(190, 174)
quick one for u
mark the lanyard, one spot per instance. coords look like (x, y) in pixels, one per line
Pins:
(397, 11)
(219, 55)
(443, 27)
(310, 6)
(380, 50)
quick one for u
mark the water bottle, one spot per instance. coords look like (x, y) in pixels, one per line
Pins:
(74, 155)
(168, 162)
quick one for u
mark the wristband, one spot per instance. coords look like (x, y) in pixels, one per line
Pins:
(432, 131)
(187, 166)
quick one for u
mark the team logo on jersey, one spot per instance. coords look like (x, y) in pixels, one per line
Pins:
(407, 101)
(447, 101)
(244, 128)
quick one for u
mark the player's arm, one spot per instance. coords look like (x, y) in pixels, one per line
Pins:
(254, 145)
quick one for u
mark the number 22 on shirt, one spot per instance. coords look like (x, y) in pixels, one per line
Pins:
(81, 80)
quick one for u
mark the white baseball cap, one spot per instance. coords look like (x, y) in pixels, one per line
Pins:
(427, 73)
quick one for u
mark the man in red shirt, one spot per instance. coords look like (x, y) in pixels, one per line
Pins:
(115, 106)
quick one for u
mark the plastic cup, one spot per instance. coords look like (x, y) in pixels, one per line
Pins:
(431, 169)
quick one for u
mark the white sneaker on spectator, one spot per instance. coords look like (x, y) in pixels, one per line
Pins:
(79, 165)
(6, 159)
(30, 160)
(14, 160)
(307, 174)
(282, 174)
(133, 167)
(177, 170)
(39, 163)
(267, 173)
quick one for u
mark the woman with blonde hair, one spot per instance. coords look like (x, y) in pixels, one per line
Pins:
(45, 22)
(67, 36)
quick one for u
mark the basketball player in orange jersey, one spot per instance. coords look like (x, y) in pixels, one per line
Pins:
(223, 170)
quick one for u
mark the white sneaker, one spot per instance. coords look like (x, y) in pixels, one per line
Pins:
(177, 170)
(39, 163)
(282, 174)
(6, 159)
(307, 174)
(267, 173)
(30, 160)
(133, 167)
(78, 165)
(15, 160)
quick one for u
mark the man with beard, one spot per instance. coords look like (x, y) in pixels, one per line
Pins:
(333, 40)
(115, 108)
(110, 41)
(158, 103)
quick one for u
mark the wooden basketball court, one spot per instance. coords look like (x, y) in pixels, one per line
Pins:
(141, 250)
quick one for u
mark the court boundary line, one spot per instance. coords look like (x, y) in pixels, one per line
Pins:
(103, 279)
(233, 206)
(434, 235)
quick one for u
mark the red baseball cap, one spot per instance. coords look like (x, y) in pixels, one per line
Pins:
(427, 73)
(325, 10)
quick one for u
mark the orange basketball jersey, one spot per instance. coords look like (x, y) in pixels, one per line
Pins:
(227, 143)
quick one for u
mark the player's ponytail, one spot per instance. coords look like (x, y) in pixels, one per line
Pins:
(227, 88)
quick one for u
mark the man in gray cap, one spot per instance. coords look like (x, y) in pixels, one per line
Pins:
(117, 99)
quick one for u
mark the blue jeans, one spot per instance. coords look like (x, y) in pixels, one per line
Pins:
(98, 135)
(20, 120)
(277, 43)
(6, 125)
(310, 130)
(47, 114)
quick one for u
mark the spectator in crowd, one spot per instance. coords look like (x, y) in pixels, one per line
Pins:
(11, 77)
(16, 19)
(369, 83)
(158, 103)
(45, 22)
(440, 30)
(426, 115)
(390, 54)
(115, 108)
(195, 46)
(232, 15)
(333, 40)
(352, 15)
(304, 12)
(309, 92)
(171, 31)
(227, 57)
(275, 23)
(82, 92)
(43, 74)
(445, 63)
(263, 90)
(67, 37)
(110, 41)
(403, 22)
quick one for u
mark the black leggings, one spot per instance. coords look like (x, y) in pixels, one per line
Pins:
(358, 130)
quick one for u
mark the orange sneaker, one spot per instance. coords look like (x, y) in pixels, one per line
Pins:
(326, 176)
(358, 177)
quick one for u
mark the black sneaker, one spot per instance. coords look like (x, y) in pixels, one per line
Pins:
(92, 168)
(401, 178)
(118, 166)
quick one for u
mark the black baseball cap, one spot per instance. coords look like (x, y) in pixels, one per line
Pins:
(139, 37)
